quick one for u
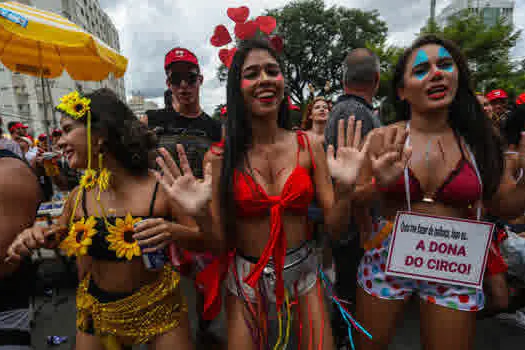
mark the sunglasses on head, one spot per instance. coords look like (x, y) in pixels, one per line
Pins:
(190, 78)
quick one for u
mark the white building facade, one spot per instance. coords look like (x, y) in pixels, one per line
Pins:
(139, 105)
(490, 10)
(21, 96)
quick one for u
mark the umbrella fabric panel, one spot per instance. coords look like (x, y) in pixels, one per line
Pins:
(47, 43)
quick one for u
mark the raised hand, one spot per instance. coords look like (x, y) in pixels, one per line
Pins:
(345, 165)
(189, 193)
(391, 157)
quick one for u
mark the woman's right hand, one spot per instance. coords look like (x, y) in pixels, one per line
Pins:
(189, 193)
(33, 238)
(391, 156)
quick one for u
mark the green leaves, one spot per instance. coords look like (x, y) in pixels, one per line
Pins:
(316, 40)
(487, 49)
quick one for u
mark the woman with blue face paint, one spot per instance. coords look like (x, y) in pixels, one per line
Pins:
(456, 168)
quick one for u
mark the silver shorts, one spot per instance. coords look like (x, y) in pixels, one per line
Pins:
(300, 274)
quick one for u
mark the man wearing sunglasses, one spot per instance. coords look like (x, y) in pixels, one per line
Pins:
(183, 121)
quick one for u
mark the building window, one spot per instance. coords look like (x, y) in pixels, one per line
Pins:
(4, 88)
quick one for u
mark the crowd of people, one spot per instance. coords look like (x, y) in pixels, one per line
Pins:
(291, 224)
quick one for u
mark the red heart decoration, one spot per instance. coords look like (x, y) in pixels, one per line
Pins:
(238, 14)
(277, 43)
(226, 56)
(221, 36)
(246, 30)
(266, 24)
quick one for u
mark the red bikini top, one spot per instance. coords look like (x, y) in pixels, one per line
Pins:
(297, 193)
(252, 200)
(462, 187)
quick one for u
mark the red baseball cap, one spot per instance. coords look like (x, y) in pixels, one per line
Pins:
(42, 137)
(17, 126)
(496, 94)
(521, 99)
(180, 54)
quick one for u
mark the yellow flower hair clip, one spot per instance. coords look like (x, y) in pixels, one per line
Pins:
(74, 105)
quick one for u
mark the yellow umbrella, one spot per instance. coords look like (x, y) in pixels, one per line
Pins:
(43, 44)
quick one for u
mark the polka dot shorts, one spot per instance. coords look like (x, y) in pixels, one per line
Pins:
(372, 278)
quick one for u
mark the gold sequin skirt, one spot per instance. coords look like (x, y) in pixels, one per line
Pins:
(137, 318)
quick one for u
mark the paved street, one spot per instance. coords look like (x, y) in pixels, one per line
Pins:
(60, 320)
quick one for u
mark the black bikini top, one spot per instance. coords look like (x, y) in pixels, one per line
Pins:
(109, 239)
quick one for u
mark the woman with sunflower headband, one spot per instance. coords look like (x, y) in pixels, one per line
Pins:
(117, 213)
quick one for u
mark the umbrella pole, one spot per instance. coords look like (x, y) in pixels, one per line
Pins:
(46, 117)
(50, 95)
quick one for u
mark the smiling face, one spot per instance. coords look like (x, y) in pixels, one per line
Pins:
(73, 142)
(430, 80)
(262, 83)
(320, 111)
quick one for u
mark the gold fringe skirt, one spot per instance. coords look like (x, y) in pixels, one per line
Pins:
(135, 319)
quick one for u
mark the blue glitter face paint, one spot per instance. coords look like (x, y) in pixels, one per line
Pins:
(448, 66)
(443, 53)
(421, 58)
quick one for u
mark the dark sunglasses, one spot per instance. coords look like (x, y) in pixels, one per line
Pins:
(189, 77)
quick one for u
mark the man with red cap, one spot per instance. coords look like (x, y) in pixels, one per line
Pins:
(498, 99)
(17, 130)
(9, 145)
(186, 124)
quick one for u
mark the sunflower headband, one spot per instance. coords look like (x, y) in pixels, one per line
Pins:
(77, 107)
(74, 105)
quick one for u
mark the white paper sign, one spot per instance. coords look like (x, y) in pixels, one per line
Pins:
(439, 249)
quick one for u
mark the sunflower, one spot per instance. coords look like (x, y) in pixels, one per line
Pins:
(121, 238)
(74, 105)
(79, 238)
(89, 180)
(79, 108)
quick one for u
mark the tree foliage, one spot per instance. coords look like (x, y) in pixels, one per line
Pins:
(487, 48)
(317, 39)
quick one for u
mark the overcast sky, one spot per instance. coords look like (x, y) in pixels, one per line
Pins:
(150, 28)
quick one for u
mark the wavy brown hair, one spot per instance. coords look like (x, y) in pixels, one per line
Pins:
(127, 139)
(307, 122)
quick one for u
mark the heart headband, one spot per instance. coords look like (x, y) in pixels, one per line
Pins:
(244, 29)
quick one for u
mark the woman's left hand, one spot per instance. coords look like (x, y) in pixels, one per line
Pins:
(345, 165)
(153, 234)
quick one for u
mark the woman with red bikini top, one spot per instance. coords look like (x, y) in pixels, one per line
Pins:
(455, 168)
(260, 187)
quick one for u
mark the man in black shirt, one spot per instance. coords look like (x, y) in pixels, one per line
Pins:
(186, 123)
(361, 73)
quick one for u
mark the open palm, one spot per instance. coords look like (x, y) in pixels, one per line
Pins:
(345, 165)
(189, 193)
(389, 162)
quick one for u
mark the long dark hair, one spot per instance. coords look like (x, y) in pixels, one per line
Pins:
(465, 116)
(125, 137)
(514, 126)
(239, 132)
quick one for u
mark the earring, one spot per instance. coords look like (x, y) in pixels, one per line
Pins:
(103, 175)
